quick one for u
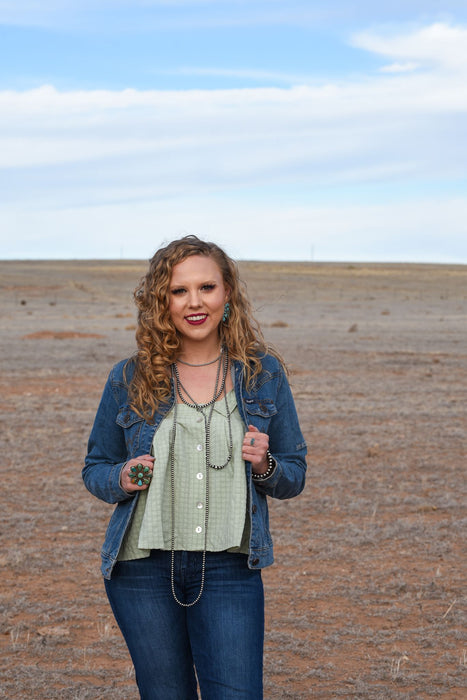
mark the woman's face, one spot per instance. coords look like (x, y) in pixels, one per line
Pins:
(197, 298)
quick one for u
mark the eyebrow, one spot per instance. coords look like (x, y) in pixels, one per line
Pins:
(182, 284)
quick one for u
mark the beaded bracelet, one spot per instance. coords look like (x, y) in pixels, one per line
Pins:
(272, 464)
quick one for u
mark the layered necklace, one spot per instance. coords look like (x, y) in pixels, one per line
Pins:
(206, 410)
(201, 364)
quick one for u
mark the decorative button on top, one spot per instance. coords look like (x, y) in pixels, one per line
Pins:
(199, 475)
(199, 505)
(199, 447)
(199, 529)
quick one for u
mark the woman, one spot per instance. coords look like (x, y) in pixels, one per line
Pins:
(191, 435)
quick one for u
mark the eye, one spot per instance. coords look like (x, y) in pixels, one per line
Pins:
(177, 290)
(208, 287)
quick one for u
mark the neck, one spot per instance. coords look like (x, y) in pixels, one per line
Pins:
(200, 355)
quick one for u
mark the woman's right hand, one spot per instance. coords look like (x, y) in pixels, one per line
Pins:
(125, 477)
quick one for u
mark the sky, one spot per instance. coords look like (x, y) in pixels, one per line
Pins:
(281, 130)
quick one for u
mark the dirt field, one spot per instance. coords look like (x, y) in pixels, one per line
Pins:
(367, 596)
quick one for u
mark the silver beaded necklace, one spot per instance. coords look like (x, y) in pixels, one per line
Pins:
(201, 408)
(201, 364)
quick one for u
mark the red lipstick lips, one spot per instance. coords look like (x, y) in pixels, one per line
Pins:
(196, 319)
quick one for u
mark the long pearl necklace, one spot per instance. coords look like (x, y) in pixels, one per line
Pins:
(201, 408)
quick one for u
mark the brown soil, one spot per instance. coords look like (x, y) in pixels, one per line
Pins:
(367, 596)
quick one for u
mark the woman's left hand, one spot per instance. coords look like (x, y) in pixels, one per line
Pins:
(254, 449)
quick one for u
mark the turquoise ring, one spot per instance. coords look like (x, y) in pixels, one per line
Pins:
(140, 475)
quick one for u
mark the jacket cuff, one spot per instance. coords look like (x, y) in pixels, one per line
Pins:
(116, 483)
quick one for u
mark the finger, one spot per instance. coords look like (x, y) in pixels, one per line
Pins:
(255, 436)
(142, 458)
(139, 472)
(250, 439)
(256, 451)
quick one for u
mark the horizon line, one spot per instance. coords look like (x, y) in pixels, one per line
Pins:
(246, 260)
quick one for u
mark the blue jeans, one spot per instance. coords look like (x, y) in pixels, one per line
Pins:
(221, 636)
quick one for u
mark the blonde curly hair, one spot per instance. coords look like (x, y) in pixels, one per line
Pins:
(159, 342)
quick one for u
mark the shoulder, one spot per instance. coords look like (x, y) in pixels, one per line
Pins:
(122, 372)
(270, 363)
(271, 374)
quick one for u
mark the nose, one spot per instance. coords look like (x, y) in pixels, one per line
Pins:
(195, 300)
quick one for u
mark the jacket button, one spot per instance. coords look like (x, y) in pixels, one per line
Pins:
(254, 508)
(255, 562)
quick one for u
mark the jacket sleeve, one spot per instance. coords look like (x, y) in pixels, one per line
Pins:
(287, 446)
(107, 451)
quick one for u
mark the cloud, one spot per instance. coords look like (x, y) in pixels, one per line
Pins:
(172, 156)
(402, 123)
(400, 67)
(435, 45)
(248, 74)
(141, 15)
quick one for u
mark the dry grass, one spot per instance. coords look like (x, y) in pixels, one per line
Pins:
(367, 599)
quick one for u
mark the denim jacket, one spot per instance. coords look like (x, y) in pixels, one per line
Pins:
(119, 434)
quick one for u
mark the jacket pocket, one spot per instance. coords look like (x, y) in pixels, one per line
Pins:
(264, 408)
(126, 417)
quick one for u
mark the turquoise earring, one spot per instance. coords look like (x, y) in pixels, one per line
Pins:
(226, 315)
